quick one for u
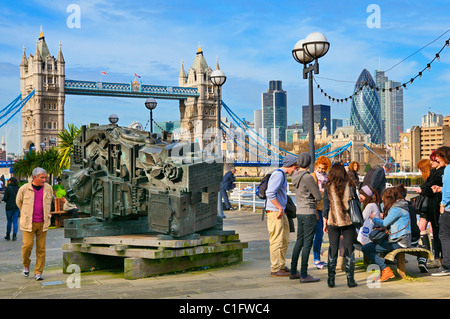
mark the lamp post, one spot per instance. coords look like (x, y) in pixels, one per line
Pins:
(113, 119)
(151, 103)
(305, 51)
(218, 79)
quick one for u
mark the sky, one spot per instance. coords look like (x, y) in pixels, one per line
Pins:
(253, 40)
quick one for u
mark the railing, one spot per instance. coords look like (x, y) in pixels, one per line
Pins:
(244, 193)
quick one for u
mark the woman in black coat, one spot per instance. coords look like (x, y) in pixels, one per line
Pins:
(12, 211)
(434, 199)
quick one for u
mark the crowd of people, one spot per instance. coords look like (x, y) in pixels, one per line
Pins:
(322, 206)
(322, 199)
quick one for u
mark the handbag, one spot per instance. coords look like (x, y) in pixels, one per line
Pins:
(291, 209)
(377, 235)
(355, 212)
(421, 203)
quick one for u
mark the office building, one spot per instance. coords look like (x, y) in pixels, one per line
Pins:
(335, 123)
(432, 119)
(390, 94)
(274, 112)
(365, 113)
(322, 117)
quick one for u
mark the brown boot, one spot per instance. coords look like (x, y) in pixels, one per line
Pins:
(386, 274)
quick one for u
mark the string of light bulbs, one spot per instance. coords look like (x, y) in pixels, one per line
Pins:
(403, 85)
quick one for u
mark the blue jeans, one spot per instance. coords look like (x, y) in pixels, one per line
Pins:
(371, 250)
(12, 216)
(305, 235)
(318, 237)
(226, 201)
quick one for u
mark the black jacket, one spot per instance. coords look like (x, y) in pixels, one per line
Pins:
(434, 199)
(10, 197)
(228, 181)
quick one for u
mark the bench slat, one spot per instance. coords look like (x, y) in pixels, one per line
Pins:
(419, 252)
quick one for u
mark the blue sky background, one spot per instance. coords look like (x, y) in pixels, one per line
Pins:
(253, 40)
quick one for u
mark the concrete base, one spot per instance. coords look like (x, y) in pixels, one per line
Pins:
(145, 255)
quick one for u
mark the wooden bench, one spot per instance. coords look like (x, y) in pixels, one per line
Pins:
(57, 214)
(58, 218)
(400, 253)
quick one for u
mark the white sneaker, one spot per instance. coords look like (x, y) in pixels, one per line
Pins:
(38, 277)
(26, 271)
(442, 272)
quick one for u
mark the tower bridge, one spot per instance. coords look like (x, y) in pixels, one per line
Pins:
(45, 76)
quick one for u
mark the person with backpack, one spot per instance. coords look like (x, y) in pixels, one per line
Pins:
(307, 194)
(277, 221)
(12, 211)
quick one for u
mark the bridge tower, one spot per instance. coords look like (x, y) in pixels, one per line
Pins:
(198, 115)
(43, 115)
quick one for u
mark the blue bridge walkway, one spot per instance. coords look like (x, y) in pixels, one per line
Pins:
(132, 89)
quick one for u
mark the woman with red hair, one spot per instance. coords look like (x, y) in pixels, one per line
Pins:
(322, 166)
(432, 211)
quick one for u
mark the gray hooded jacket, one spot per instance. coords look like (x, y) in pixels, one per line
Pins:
(307, 192)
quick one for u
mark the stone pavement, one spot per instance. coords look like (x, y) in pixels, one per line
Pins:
(247, 280)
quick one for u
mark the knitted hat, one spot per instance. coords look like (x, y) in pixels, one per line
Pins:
(304, 160)
(289, 160)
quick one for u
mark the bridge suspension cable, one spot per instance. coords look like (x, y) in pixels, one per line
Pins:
(264, 150)
(14, 105)
(234, 116)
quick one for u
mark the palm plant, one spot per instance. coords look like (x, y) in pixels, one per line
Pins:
(65, 147)
(23, 167)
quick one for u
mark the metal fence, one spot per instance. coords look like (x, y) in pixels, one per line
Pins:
(244, 194)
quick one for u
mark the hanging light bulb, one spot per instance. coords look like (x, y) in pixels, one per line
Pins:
(447, 43)
(438, 57)
(429, 66)
(420, 75)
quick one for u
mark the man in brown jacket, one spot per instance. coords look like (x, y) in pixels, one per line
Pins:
(34, 201)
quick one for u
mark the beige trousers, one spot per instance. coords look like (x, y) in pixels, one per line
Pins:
(278, 240)
(28, 242)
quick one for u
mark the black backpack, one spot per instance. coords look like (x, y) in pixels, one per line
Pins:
(262, 187)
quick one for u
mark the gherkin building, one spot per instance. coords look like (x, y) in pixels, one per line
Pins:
(365, 113)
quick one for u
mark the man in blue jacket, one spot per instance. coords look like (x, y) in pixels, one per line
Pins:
(277, 221)
(227, 185)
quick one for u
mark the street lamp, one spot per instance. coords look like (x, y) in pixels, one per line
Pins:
(305, 51)
(218, 79)
(113, 119)
(151, 103)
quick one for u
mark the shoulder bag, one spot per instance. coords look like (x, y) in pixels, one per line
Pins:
(355, 211)
(378, 234)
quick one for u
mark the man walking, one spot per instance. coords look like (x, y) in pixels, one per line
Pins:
(34, 201)
(227, 185)
(277, 221)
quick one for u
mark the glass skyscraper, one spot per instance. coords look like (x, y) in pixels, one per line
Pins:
(365, 113)
(274, 112)
(391, 104)
(322, 116)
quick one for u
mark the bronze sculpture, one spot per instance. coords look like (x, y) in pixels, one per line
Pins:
(121, 174)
